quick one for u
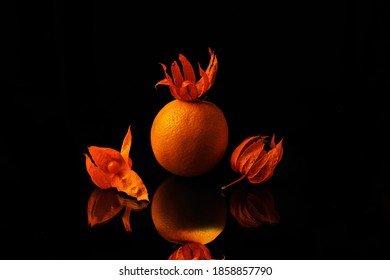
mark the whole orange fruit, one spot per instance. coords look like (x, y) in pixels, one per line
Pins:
(189, 136)
(188, 210)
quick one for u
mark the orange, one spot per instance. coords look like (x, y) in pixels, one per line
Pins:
(189, 138)
(188, 210)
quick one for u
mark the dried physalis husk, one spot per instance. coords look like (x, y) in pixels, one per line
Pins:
(109, 168)
(191, 251)
(183, 84)
(253, 161)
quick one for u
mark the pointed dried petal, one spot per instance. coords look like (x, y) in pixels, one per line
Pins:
(246, 153)
(186, 87)
(188, 70)
(265, 169)
(212, 68)
(241, 148)
(125, 149)
(272, 144)
(164, 82)
(203, 84)
(169, 82)
(238, 151)
(98, 176)
(103, 205)
(259, 164)
(176, 74)
(250, 156)
(208, 76)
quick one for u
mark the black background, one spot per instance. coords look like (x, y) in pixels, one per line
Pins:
(315, 74)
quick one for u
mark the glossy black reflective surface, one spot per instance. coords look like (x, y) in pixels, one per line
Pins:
(315, 76)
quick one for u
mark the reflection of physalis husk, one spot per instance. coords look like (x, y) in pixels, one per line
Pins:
(253, 206)
(130, 204)
(188, 210)
(104, 205)
(191, 251)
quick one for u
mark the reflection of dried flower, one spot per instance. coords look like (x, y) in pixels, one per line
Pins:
(110, 168)
(191, 251)
(184, 86)
(253, 162)
(104, 205)
(253, 207)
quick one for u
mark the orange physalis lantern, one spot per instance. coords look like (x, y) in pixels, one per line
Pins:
(183, 85)
(253, 161)
(191, 251)
(109, 168)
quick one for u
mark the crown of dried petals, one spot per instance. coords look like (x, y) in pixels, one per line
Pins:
(183, 84)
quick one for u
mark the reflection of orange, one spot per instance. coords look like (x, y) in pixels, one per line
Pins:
(189, 138)
(185, 211)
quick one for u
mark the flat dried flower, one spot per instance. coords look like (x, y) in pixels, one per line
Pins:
(109, 168)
